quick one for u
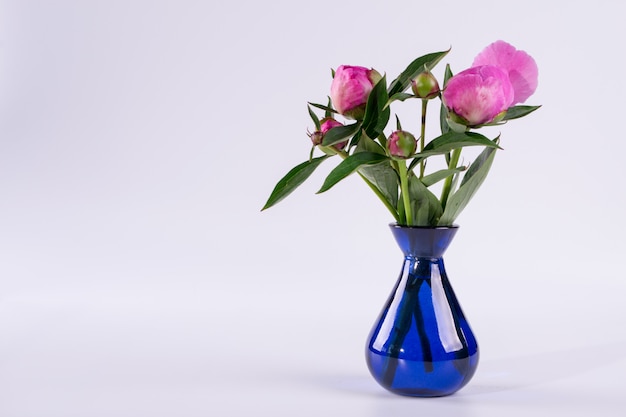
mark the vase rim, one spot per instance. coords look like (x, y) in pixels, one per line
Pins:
(399, 226)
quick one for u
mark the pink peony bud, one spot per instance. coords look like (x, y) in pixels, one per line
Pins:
(478, 94)
(327, 124)
(425, 86)
(520, 67)
(350, 88)
(401, 144)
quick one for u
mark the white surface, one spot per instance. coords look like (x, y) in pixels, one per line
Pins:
(138, 141)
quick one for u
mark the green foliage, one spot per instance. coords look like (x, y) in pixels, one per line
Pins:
(366, 153)
(293, 180)
(350, 165)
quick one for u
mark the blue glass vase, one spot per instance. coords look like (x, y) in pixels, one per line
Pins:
(421, 344)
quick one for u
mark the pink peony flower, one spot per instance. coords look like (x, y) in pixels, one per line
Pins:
(478, 94)
(401, 144)
(520, 66)
(350, 88)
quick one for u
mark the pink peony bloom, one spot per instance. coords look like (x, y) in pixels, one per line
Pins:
(350, 88)
(520, 66)
(401, 144)
(478, 94)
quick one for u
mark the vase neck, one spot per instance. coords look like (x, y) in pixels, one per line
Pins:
(423, 242)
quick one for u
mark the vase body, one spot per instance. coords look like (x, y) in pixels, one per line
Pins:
(421, 345)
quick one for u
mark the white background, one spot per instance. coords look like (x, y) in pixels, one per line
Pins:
(138, 277)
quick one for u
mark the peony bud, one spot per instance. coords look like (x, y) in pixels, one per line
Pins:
(401, 144)
(316, 137)
(520, 67)
(478, 95)
(327, 124)
(350, 89)
(425, 86)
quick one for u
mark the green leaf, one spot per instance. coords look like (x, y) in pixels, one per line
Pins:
(453, 140)
(516, 112)
(417, 66)
(442, 174)
(473, 179)
(323, 107)
(383, 176)
(314, 117)
(292, 180)
(447, 75)
(425, 206)
(349, 165)
(376, 113)
(339, 134)
(399, 97)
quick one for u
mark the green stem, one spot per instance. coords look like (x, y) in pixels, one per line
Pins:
(404, 186)
(447, 185)
(423, 136)
(374, 188)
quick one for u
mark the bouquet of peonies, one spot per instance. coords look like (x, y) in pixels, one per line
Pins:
(394, 165)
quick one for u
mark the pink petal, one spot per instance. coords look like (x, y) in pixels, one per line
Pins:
(520, 66)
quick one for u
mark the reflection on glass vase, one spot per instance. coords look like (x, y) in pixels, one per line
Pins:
(421, 344)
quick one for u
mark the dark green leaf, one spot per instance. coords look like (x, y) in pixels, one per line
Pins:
(473, 179)
(442, 174)
(323, 107)
(314, 117)
(447, 75)
(339, 134)
(292, 180)
(516, 112)
(349, 165)
(383, 176)
(417, 66)
(425, 207)
(376, 113)
(399, 97)
(453, 140)
(398, 125)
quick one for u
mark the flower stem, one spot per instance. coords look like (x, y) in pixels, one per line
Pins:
(404, 186)
(447, 185)
(423, 136)
(374, 188)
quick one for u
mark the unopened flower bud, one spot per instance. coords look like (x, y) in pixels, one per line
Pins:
(350, 89)
(316, 137)
(425, 86)
(327, 124)
(401, 144)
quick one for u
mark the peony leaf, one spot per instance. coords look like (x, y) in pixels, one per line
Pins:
(425, 206)
(323, 107)
(473, 179)
(376, 112)
(292, 180)
(316, 120)
(453, 140)
(399, 97)
(516, 112)
(443, 113)
(418, 65)
(339, 134)
(383, 176)
(442, 174)
(349, 165)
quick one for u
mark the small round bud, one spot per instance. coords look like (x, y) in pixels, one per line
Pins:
(425, 86)
(316, 137)
(401, 144)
